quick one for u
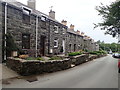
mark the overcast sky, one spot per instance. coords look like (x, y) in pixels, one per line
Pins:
(80, 13)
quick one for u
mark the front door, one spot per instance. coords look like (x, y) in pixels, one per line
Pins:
(42, 46)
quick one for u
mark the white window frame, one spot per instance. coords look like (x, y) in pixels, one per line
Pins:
(26, 10)
(43, 18)
(56, 43)
(63, 30)
(56, 31)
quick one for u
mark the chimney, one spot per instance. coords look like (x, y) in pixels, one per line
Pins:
(82, 33)
(72, 27)
(64, 22)
(32, 4)
(78, 31)
(52, 14)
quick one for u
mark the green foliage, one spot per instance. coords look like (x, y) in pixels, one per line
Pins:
(109, 46)
(86, 50)
(98, 52)
(56, 58)
(34, 58)
(10, 44)
(41, 59)
(30, 58)
(74, 53)
(111, 18)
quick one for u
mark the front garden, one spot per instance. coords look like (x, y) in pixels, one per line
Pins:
(25, 65)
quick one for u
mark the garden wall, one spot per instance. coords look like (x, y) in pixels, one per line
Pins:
(25, 67)
(79, 59)
(30, 67)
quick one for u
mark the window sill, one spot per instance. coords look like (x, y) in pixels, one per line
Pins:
(56, 47)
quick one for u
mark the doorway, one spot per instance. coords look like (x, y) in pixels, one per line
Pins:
(42, 46)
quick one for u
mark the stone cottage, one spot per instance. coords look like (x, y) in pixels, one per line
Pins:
(74, 40)
(36, 33)
(77, 40)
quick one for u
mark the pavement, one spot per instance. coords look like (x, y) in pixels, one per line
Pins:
(7, 73)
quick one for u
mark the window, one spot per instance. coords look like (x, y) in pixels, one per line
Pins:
(26, 16)
(43, 18)
(26, 11)
(43, 22)
(63, 30)
(56, 29)
(55, 43)
(26, 41)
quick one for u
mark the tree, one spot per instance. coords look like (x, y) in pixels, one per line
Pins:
(10, 44)
(109, 46)
(111, 18)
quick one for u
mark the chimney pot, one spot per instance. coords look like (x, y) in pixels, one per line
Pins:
(72, 27)
(64, 22)
(82, 33)
(78, 31)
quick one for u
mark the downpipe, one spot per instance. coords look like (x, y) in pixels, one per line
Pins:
(5, 44)
(36, 34)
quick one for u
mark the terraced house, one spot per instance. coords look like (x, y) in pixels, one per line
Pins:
(36, 33)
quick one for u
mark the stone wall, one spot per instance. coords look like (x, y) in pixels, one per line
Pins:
(30, 67)
(77, 60)
(24, 67)
(91, 57)
(0, 32)
(76, 42)
(16, 26)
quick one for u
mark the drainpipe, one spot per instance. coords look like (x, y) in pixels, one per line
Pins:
(49, 39)
(5, 56)
(36, 34)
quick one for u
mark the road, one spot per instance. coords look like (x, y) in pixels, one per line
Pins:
(99, 73)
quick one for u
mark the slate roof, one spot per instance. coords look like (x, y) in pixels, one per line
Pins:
(73, 32)
(21, 5)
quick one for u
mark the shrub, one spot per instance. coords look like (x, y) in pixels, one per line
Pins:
(86, 50)
(74, 53)
(98, 52)
(30, 58)
(41, 59)
(34, 58)
(10, 44)
(56, 58)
